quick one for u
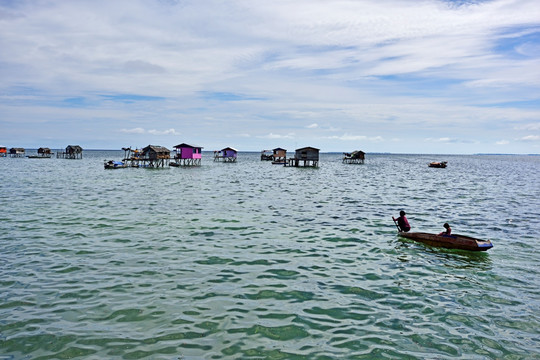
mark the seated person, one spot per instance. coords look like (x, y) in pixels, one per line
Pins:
(402, 221)
(448, 230)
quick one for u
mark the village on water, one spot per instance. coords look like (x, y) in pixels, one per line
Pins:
(155, 156)
(185, 155)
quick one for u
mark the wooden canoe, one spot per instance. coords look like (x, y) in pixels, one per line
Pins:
(449, 241)
(438, 164)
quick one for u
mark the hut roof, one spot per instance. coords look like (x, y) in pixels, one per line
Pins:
(44, 149)
(75, 148)
(307, 148)
(16, 150)
(156, 148)
(277, 149)
(229, 148)
(184, 145)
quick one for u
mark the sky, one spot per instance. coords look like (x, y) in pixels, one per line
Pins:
(397, 76)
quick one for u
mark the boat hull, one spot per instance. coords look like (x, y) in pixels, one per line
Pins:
(441, 165)
(449, 241)
(114, 165)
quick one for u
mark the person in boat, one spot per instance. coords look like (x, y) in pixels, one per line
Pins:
(448, 230)
(402, 221)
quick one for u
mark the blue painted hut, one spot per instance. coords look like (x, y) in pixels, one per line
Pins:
(227, 154)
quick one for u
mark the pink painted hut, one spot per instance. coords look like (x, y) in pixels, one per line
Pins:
(187, 155)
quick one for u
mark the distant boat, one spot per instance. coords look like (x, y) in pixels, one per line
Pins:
(39, 156)
(438, 164)
(111, 164)
(449, 241)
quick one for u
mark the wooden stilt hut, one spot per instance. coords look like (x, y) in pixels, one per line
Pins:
(72, 152)
(16, 152)
(356, 157)
(227, 154)
(154, 156)
(44, 152)
(305, 157)
(187, 155)
(279, 156)
(3, 151)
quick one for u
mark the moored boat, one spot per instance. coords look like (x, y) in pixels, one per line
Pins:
(437, 164)
(449, 241)
(111, 164)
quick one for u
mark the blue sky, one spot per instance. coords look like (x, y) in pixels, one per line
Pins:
(454, 77)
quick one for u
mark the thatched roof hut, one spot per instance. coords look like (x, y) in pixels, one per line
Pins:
(156, 152)
(73, 149)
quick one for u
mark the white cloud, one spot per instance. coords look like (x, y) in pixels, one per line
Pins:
(347, 137)
(502, 142)
(133, 131)
(163, 132)
(440, 140)
(277, 136)
(151, 132)
(532, 126)
(312, 126)
(531, 138)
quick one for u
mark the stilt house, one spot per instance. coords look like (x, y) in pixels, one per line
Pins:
(356, 157)
(187, 155)
(227, 154)
(44, 152)
(155, 156)
(279, 156)
(3, 151)
(72, 152)
(16, 152)
(305, 157)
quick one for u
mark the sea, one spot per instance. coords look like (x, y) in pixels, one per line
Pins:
(250, 260)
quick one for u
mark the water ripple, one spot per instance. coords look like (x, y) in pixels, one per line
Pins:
(269, 262)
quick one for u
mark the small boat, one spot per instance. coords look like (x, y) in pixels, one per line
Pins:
(449, 241)
(437, 164)
(111, 164)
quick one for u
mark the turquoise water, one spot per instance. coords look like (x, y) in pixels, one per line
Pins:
(259, 261)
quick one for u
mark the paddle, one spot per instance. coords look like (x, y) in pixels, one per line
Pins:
(398, 229)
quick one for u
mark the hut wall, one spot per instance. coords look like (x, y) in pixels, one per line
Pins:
(190, 153)
(310, 155)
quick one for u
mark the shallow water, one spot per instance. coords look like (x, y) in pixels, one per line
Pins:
(259, 261)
